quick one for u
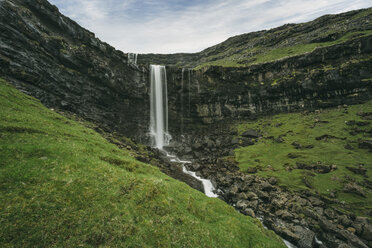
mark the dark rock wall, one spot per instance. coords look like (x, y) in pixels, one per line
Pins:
(326, 77)
(52, 58)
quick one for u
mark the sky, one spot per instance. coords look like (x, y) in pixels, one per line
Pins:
(171, 26)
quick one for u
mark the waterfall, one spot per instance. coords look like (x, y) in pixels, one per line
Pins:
(132, 58)
(159, 121)
(189, 92)
(183, 70)
(159, 107)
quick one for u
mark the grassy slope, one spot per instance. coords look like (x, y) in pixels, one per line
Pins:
(63, 185)
(236, 53)
(272, 158)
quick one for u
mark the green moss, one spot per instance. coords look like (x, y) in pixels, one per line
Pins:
(273, 159)
(267, 54)
(63, 185)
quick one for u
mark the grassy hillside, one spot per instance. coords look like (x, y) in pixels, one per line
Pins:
(277, 43)
(299, 149)
(63, 185)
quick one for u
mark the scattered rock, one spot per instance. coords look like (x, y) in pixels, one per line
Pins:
(279, 140)
(291, 155)
(353, 188)
(327, 137)
(367, 232)
(365, 144)
(297, 145)
(250, 212)
(358, 170)
(251, 134)
(273, 180)
(265, 186)
(251, 170)
(349, 147)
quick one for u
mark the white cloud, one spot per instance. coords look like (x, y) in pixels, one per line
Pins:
(124, 25)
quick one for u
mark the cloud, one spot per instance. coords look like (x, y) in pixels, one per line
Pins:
(169, 26)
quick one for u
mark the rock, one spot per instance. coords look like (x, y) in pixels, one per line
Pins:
(329, 213)
(195, 166)
(358, 170)
(234, 141)
(278, 203)
(306, 237)
(344, 220)
(251, 170)
(289, 235)
(358, 227)
(242, 204)
(367, 232)
(252, 204)
(265, 186)
(279, 140)
(292, 155)
(315, 201)
(250, 212)
(251, 196)
(242, 196)
(353, 188)
(251, 134)
(327, 137)
(273, 181)
(234, 190)
(349, 147)
(296, 145)
(362, 123)
(263, 195)
(247, 142)
(365, 144)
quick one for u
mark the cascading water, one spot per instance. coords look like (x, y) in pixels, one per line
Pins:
(159, 121)
(132, 58)
(183, 69)
(189, 92)
(159, 107)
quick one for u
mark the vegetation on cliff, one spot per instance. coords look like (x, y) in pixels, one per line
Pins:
(277, 43)
(327, 152)
(64, 185)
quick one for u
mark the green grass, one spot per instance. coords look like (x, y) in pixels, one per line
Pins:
(271, 157)
(64, 185)
(271, 54)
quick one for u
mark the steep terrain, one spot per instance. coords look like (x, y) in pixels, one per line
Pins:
(310, 176)
(52, 58)
(277, 43)
(63, 185)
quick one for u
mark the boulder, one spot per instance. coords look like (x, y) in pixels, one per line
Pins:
(251, 134)
(273, 180)
(353, 188)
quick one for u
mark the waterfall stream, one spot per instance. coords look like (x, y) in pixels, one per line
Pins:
(159, 122)
(132, 58)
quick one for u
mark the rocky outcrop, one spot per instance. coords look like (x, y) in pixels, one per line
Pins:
(52, 58)
(305, 219)
(326, 77)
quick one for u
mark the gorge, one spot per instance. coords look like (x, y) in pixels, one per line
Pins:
(213, 119)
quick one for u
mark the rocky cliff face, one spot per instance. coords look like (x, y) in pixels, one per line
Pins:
(52, 58)
(326, 77)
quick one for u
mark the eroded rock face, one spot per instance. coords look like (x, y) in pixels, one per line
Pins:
(52, 58)
(326, 77)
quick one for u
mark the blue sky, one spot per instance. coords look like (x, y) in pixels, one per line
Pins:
(169, 26)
